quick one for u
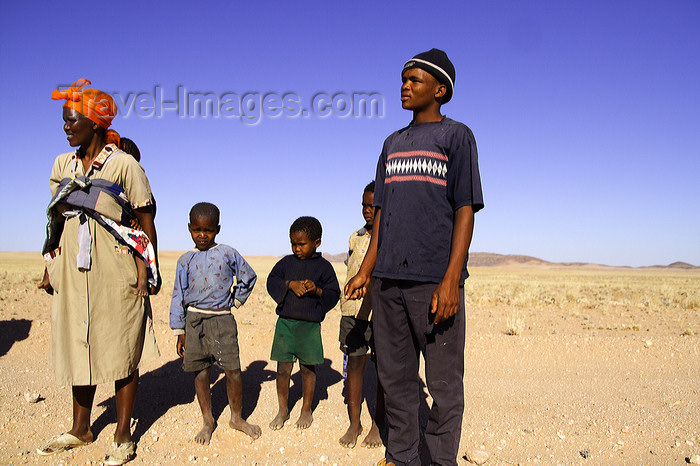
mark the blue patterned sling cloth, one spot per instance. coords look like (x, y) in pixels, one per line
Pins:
(107, 204)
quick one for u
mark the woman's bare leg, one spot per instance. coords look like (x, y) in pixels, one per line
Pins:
(83, 396)
(125, 395)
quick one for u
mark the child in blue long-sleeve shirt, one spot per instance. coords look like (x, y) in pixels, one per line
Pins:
(305, 288)
(200, 315)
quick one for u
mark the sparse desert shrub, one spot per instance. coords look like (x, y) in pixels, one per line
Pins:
(515, 324)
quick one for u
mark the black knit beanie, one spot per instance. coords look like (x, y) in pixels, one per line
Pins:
(435, 62)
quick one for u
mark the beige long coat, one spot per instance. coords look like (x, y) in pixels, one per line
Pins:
(100, 330)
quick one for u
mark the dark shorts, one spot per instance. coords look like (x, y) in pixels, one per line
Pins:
(210, 339)
(297, 338)
(356, 336)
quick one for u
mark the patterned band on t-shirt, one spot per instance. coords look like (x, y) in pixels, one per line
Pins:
(424, 166)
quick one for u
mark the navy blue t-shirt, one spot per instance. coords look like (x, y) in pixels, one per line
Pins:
(425, 172)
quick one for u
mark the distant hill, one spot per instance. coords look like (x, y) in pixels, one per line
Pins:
(476, 259)
(678, 265)
(489, 259)
(335, 257)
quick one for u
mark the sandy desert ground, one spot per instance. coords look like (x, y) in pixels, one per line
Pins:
(563, 363)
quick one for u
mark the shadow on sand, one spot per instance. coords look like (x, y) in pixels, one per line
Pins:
(12, 331)
(253, 377)
(169, 386)
(258, 372)
(325, 377)
(369, 394)
(159, 390)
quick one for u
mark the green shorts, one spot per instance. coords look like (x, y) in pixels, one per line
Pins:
(297, 338)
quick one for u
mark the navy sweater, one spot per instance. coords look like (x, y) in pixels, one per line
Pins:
(308, 307)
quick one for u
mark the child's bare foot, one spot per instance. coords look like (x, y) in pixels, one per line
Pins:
(373, 439)
(250, 430)
(279, 420)
(45, 285)
(349, 439)
(305, 420)
(204, 435)
(141, 289)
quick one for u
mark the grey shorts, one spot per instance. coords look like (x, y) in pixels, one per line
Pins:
(210, 339)
(356, 336)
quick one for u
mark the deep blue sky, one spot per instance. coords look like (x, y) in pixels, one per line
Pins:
(586, 115)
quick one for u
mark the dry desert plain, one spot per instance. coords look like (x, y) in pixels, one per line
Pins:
(563, 363)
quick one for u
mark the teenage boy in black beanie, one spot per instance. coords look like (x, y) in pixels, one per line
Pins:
(427, 190)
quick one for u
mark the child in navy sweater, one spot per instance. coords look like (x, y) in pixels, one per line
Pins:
(305, 288)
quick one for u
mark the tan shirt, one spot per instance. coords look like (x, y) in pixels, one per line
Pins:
(358, 246)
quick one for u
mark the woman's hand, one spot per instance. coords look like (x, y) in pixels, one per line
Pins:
(144, 217)
(155, 289)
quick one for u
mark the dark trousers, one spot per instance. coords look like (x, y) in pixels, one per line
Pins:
(401, 318)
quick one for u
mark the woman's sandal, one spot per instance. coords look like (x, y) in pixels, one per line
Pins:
(120, 453)
(60, 443)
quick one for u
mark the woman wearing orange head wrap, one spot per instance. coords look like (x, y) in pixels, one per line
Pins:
(100, 330)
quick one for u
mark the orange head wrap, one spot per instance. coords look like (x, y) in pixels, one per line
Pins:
(94, 104)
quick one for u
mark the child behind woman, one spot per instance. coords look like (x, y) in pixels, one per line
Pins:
(130, 147)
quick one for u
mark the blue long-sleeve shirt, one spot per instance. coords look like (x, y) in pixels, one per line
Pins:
(205, 280)
(309, 308)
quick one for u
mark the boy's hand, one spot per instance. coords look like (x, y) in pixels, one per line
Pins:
(446, 297)
(357, 287)
(445, 302)
(181, 345)
(311, 287)
(298, 287)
